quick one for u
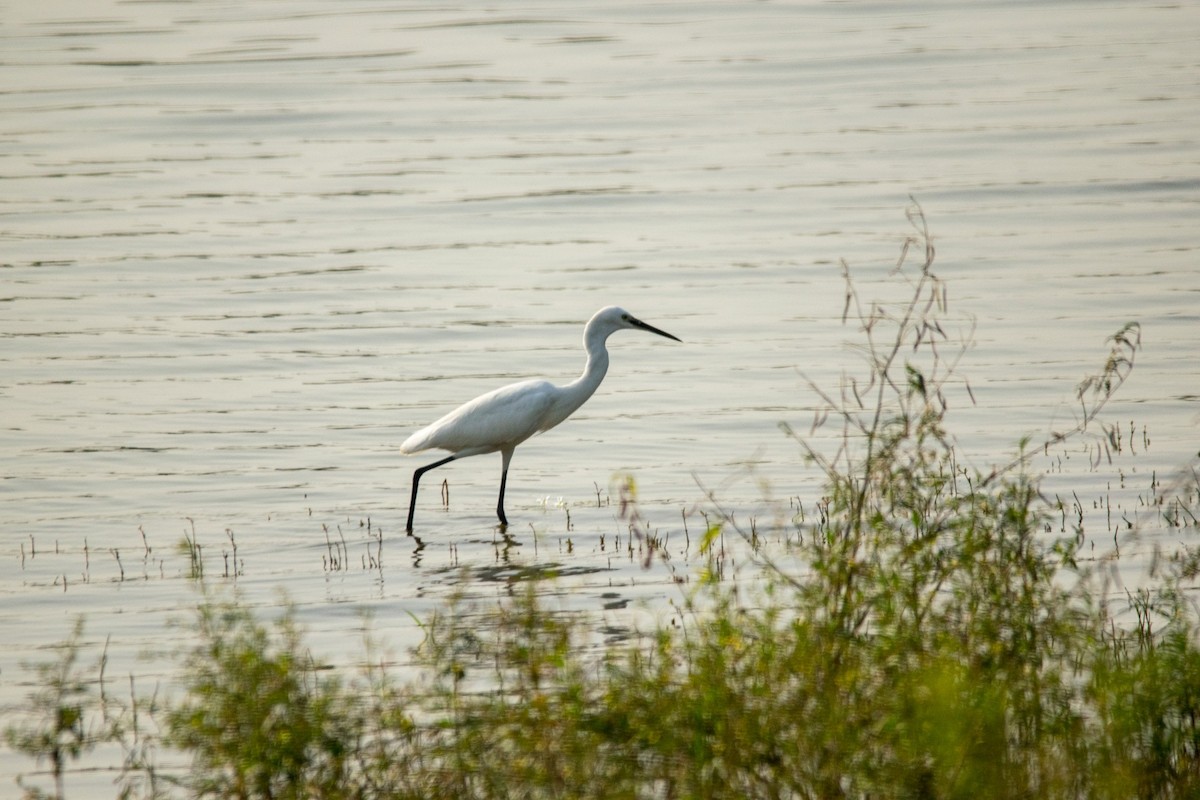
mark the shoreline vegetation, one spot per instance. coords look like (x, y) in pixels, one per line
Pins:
(922, 630)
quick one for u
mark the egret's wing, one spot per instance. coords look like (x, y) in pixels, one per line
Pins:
(501, 418)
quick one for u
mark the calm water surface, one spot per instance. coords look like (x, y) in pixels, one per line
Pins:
(247, 248)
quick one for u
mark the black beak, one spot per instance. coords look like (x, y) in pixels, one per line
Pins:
(637, 323)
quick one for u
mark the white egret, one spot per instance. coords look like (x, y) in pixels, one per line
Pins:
(500, 420)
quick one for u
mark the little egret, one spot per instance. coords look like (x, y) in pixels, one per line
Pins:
(502, 419)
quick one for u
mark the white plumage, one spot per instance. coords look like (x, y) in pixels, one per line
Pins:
(508, 415)
(501, 419)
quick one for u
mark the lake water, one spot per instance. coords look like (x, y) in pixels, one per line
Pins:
(247, 248)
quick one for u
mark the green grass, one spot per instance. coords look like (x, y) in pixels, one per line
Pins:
(920, 633)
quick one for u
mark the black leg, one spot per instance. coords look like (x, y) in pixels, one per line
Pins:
(505, 458)
(500, 504)
(412, 504)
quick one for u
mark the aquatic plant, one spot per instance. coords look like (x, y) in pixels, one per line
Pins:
(57, 726)
(921, 632)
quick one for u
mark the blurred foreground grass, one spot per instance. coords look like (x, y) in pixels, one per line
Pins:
(922, 634)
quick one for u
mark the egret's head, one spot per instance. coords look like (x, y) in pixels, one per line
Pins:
(613, 318)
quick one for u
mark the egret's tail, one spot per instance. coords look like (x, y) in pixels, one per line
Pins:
(417, 442)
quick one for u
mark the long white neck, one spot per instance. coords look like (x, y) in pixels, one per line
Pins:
(576, 393)
(597, 362)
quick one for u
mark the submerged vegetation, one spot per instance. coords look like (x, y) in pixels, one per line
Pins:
(922, 631)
